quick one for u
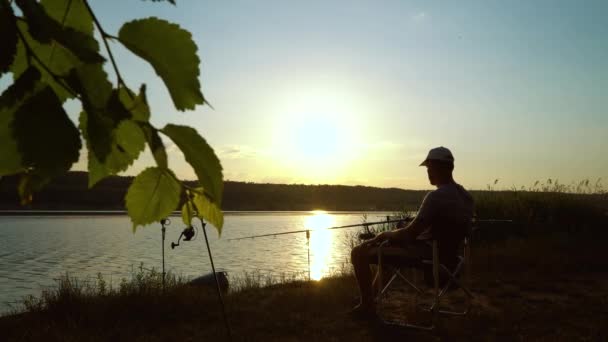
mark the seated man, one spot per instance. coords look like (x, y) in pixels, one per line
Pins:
(445, 215)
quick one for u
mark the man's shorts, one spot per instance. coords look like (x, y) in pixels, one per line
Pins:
(402, 254)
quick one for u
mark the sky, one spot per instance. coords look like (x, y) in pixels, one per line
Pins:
(357, 92)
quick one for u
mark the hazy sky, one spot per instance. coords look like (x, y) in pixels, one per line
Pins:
(356, 92)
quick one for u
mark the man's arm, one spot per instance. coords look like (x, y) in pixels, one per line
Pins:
(408, 233)
(415, 228)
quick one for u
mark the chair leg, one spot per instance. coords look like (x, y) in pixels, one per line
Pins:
(396, 274)
(385, 288)
(429, 327)
(403, 324)
(418, 290)
(438, 293)
(469, 296)
(458, 313)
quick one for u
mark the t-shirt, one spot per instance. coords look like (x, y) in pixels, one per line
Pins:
(448, 213)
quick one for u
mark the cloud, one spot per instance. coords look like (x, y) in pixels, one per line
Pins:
(390, 150)
(237, 176)
(224, 152)
(419, 17)
(279, 180)
(384, 145)
(237, 152)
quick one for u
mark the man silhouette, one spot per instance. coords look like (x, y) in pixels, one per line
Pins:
(445, 215)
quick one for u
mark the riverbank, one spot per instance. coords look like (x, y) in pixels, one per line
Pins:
(547, 288)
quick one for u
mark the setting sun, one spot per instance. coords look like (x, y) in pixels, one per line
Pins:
(315, 135)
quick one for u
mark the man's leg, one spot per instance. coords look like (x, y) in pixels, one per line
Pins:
(363, 255)
(363, 273)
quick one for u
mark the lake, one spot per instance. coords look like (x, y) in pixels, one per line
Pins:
(36, 250)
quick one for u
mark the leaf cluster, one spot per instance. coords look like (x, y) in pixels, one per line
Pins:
(51, 49)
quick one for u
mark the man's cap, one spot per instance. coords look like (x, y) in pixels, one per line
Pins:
(440, 154)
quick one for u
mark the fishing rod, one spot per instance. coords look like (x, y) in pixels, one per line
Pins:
(365, 236)
(365, 224)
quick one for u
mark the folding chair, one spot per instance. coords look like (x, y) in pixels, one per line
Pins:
(439, 293)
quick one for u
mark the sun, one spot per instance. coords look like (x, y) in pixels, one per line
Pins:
(316, 138)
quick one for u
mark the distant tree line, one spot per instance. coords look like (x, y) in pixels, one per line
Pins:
(70, 192)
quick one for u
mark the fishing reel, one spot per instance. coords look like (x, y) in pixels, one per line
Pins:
(187, 234)
(367, 235)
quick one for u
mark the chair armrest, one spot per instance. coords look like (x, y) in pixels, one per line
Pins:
(380, 247)
(383, 244)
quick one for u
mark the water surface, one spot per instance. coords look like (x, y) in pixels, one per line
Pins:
(36, 250)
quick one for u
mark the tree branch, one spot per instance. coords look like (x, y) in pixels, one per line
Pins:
(104, 37)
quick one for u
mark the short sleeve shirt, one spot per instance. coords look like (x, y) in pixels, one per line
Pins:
(447, 212)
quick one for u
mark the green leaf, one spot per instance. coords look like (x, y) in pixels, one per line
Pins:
(70, 13)
(37, 19)
(187, 212)
(103, 108)
(91, 81)
(116, 110)
(170, 1)
(201, 157)
(83, 46)
(97, 170)
(171, 52)
(46, 138)
(208, 210)
(127, 141)
(10, 158)
(8, 36)
(29, 183)
(137, 105)
(130, 138)
(22, 87)
(98, 133)
(45, 29)
(57, 59)
(153, 195)
(156, 145)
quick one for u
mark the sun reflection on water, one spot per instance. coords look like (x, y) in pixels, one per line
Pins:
(321, 242)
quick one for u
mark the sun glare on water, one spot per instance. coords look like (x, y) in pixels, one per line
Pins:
(321, 242)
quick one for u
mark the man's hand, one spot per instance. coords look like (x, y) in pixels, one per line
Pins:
(379, 239)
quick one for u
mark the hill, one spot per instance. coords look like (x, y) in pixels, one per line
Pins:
(70, 192)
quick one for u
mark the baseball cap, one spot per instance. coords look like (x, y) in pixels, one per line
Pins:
(440, 154)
